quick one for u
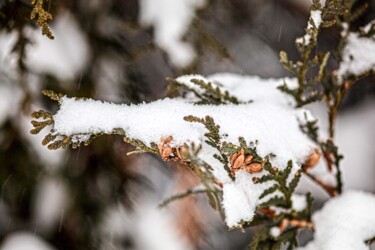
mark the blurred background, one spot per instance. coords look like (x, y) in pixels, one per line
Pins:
(121, 51)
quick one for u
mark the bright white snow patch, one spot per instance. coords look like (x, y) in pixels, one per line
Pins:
(253, 88)
(241, 197)
(316, 17)
(171, 20)
(299, 202)
(269, 119)
(358, 56)
(275, 232)
(344, 223)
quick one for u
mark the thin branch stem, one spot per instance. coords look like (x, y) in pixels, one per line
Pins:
(328, 188)
(184, 195)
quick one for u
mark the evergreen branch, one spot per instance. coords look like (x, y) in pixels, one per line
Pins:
(213, 138)
(208, 92)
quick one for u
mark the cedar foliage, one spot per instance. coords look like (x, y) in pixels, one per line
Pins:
(316, 82)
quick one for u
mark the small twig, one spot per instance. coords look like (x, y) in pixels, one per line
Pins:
(332, 113)
(295, 223)
(184, 195)
(328, 188)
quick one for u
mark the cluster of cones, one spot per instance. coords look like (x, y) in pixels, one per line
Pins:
(313, 159)
(238, 161)
(242, 161)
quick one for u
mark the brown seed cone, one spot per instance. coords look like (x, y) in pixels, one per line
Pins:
(313, 159)
(165, 150)
(168, 139)
(255, 167)
(238, 162)
(160, 146)
(248, 159)
(166, 153)
(284, 223)
(233, 158)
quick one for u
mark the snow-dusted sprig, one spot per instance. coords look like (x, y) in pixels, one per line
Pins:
(54, 140)
(325, 85)
(211, 152)
(204, 91)
(281, 184)
(346, 221)
(307, 90)
(213, 138)
(281, 190)
(282, 228)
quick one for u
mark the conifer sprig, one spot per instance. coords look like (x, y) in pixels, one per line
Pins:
(205, 92)
(42, 17)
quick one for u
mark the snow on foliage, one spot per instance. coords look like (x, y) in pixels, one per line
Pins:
(358, 55)
(313, 24)
(64, 58)
(345, 222)
(266, 116)
(171, 20)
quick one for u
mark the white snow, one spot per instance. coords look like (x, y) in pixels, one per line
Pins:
(369, 26)
(316, 18)
(344, 223)
(299, 202)
(241, 197)
(245, 88)
(275, 232)
(269, 119)
(171, 20)
(358, 56)
(253, 88)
